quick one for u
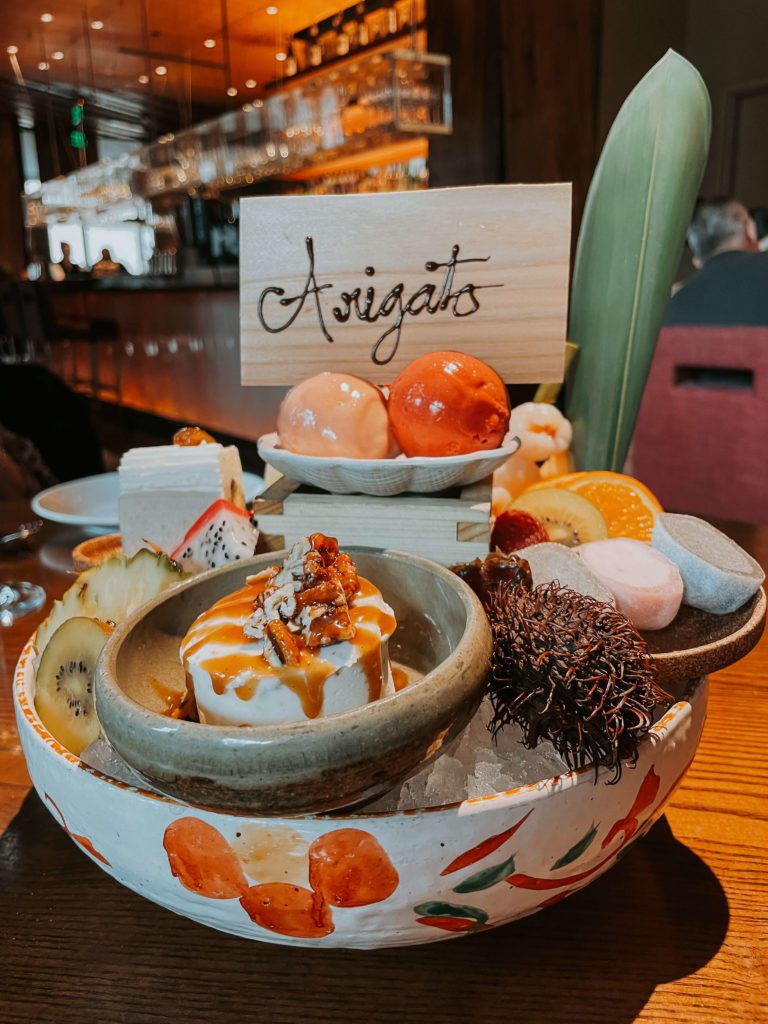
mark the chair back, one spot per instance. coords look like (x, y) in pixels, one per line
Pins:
(701, 440)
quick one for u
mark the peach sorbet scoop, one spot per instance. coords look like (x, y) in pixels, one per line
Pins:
(448, 403)
(335, 415)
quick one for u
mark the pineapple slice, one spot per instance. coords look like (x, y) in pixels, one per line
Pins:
(112, 590)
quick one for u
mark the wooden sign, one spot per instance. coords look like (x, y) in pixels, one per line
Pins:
(365, 283)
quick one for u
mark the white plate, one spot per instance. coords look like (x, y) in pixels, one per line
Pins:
(385, 477)
(92, 500)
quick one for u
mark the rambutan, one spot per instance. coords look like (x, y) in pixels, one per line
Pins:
(573, 670)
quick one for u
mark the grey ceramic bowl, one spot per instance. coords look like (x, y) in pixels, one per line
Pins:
(300, 767)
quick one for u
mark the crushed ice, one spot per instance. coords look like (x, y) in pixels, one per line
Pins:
(476, 765)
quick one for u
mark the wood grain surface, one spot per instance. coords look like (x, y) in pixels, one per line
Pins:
(504, 301)
(676, 933)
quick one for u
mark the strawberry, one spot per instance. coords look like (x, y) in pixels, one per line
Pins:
(515, 529)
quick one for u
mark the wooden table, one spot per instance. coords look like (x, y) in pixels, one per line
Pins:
(676, 932)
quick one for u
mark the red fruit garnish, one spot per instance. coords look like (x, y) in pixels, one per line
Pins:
(515, 529)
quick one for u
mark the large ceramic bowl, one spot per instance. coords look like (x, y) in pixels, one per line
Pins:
(315, 765)
(355, 880)
(385, 477)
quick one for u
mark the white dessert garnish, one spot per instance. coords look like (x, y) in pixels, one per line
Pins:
(304, 640)
(164, 489)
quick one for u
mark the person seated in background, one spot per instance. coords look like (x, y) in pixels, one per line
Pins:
(45, 429)
(66, 267)
(730, 286)
(22, 470)
(106, 266)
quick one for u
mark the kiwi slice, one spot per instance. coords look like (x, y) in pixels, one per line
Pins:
(568, 518)
(64, 682)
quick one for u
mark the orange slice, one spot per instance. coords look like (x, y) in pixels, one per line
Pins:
(628, 507)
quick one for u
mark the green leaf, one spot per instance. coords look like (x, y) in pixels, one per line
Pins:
(576, 850)
(487, 877)
(632, 233)
(439, 908)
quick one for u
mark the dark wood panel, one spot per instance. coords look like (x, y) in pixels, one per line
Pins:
(525, 91)
(11, 227)
(468, 31)
(549, 91)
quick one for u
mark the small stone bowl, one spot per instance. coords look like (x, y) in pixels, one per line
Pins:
(311, 766)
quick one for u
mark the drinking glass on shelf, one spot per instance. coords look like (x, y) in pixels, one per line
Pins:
(18, 598)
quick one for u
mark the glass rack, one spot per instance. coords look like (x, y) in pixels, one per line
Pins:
(370, 102)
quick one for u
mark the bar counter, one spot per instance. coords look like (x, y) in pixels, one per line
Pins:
(160, 345)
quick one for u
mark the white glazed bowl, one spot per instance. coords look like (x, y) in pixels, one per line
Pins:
(446, 871)
(385, 477)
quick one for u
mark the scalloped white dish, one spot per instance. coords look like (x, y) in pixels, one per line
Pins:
(385, 477)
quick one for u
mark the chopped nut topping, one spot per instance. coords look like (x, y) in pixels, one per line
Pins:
(283, 642)
(305, 602)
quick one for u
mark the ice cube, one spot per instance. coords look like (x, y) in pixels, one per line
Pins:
(475, 765)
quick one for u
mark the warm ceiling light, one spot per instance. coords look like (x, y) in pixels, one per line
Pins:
(12, 50)
(143, 79)
(281, 55)
(97, 26)
(47, 18)
(250, 83)
(209, 43)
(272, 9)
(161, 70)
(231, 91)
(43, 66)
(57, 55)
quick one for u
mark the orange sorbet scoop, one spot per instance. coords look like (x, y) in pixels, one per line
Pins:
(448, 403)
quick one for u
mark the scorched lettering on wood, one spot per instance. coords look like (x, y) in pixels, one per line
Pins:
(365, 283)
(367, 306)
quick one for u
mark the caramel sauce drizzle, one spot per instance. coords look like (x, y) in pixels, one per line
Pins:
(400, 678)
(222, 625)
(177, 702)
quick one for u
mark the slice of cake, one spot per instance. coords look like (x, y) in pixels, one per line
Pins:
(164, 489)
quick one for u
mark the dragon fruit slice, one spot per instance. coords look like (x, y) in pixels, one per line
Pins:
(224, 533)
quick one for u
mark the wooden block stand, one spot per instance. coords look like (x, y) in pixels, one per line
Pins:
(449, 527)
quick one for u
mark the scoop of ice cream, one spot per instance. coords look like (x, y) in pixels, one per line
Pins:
(303, 640)
(448, 403)
(335, 414)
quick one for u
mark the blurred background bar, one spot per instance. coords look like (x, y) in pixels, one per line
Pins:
(131, 131)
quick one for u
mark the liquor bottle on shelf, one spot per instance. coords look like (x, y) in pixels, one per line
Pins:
(391, 19)
(363, 37)
(328, 35)
(291, 65)
(343, 38)
(407, 14)
(376, 22)
(314, 50)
